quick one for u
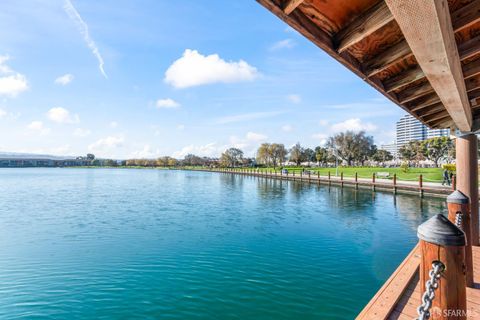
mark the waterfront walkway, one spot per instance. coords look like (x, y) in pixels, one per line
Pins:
(419, 187)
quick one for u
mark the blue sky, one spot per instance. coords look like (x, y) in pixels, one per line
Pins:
(149, 78)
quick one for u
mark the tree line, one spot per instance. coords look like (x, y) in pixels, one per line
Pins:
(349, 148)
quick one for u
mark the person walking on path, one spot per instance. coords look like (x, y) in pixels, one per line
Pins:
(446, 178)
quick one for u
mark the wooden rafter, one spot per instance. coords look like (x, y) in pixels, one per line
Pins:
(413, 93)
(387, 58)
(427, 27)
(403, 79)
(469, 48)
(466, 16)
(471, 69)
(366, 24)
(291, 5)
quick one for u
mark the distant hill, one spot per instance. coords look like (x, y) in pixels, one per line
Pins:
(17, 155)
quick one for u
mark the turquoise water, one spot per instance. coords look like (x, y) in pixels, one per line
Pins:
(154, 244)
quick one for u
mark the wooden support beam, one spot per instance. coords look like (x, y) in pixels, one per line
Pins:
(442, 123)
(403, 79)
(433, 109)
(436, 116)
(469, 48)
(415, 92)
(291, 5)
(367, 23)
(388, 58)
(471, 69)
(423, 102)
(427, 27)
(466, 16)
(472, 84)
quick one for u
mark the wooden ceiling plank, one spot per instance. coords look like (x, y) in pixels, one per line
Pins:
(291, 5)
(413, 93)
(466, 16)
(433, 109)
(427, 27)
(472, 84)
(469, 48)
(367, 23)
(442, 123)
(388, 58)
(436, 115)
(471, 69)
(403, 79)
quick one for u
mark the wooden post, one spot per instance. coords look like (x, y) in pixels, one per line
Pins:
(458, 204)
(454, 183)
(420, 185)
(309, 178)
(373, 181)
(341, 178)
(394, 183)
(318, 176)
(329, 181)
(356, 180)
(467, 176)
(441, 240)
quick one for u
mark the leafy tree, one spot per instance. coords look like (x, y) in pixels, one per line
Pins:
(412, 151)
(231, 157)
(263, 154)
(297, 154)
(436, 149)
(351, 146)
(382, 156)
(309, 155)
(322, 155)
(90, 156)
(277, 154)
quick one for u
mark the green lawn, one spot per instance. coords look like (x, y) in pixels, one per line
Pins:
(429, 174)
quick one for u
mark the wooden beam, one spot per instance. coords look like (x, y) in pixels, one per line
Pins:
(403, 79)
(436, 116)
(413, 93)
(367, 23)
(427, 27)
(472, 83)
(388, 58)
(471, 69)
(423, 102)
(466, 16)
(291, 5)
(469, 48)
(433, 109)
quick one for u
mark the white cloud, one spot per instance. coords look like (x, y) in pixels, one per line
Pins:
(3, 113)
(321, 137)
(195, 69)
(64, 80)
(83, 28)
(294, 98)
(208, 150)
(181, 127)
(38, 126)
(287, 128)
(323, 123)
(167, 104)
(106, 144)
(247, 117)
(62, 115)
(11, 82)
(62, 150)
(252, 136)
(145, 152)
(113, 124)
(354, 124)
(283, 44)
(79, 132)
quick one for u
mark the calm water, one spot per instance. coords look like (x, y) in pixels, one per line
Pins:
(152, 244)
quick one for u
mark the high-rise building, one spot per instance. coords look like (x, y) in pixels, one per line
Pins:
(409, 128)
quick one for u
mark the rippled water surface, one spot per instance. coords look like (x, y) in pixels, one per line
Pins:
(155, 244)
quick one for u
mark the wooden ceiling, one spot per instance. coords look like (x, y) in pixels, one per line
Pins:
(422, 55)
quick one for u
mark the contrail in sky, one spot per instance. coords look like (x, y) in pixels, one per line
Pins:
(83, 28)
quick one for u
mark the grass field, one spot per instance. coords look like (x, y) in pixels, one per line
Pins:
(412, 174)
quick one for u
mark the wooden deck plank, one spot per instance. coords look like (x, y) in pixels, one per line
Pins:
(408, 299)
(387, 297)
